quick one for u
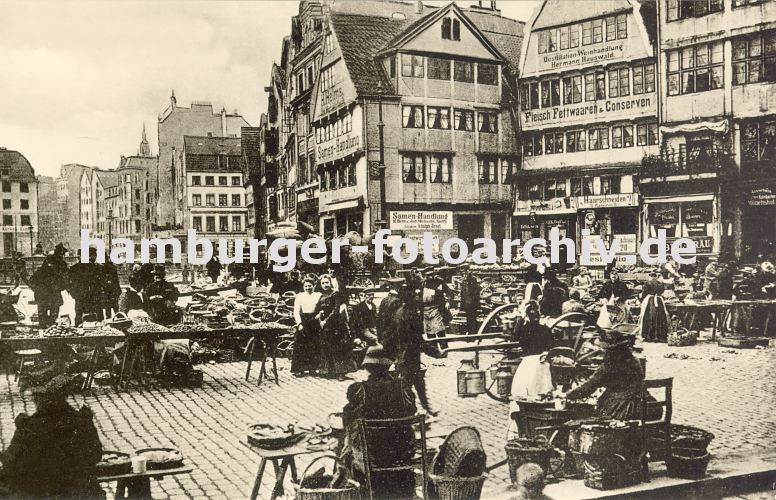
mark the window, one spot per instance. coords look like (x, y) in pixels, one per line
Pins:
(754, 58)
(441, 169)
(758, 141)
(222, 200)
(5, 171)
(332, 176)
(196, 223)
(622, 136)
(223, 224)
(412, 116)
(595, 86)
(351, 174)
(548, 41)
(235, 200)
(342, 175)
(6, 187)
(328, 43)
(610, 184)
(414, 169)
(488, 170)
(553, 143)
(235, 180)
(25, 220)
(209, 180)
(447, 29)
(582, 187)
(508, 170)
(7, 220)
(572, 89)
(456, 30)
(617, 27)
(575, 141)
(463, 71)
(554, 189)
(587, 33)
(487, 122)
(210, 222)
(196, 180)
(24, 187)
(532, 144)
(619, 82)
(210, 200)
(463, 119)
(487, 74)
(598, 138)
(569, 37)
(683, 9)
(392, 66)
(196, 200)
(236, 223)
(646, 134)
(695, 69)
(7, 204)
(327, 78)
(222, 180)
(438, 118)
(643, 79)
(598, 30)
(412, 65)
(438, 69)
(550, 93)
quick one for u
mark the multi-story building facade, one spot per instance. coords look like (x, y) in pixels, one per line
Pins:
(439, 82)
(175, 123)
(102, 181)
(19, 194)
(714, 179)
(68, 188)
(251, 145)
(215, 187)
(588, 115)
(50, 214)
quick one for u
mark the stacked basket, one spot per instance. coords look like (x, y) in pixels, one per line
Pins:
(458, 471)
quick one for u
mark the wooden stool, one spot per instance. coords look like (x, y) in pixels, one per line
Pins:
(24, 356)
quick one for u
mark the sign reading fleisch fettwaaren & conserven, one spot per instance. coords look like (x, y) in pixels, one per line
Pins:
(604, 109)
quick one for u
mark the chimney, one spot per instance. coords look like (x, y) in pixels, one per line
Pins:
(419, 7)
(493, 5)
(223, 122)
(173, 101)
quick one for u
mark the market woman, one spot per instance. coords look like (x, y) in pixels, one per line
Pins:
(435, 314)
(654, 321)
(620, 375)
(336, 357)
(308, 330)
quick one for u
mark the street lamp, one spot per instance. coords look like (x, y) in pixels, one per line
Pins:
(381, 167)
(32, 251)
(109, 218)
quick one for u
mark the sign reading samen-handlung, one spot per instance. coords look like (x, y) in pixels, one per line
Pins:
(421, 220)
(584, 112)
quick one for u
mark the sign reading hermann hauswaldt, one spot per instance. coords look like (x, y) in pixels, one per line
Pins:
(581, 57)
(421, 220)
(606, 109)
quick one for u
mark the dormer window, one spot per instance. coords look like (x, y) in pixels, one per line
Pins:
(451, 29)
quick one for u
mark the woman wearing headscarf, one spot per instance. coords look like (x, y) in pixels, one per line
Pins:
(336, 358)
(435, 314)
(654, 321)
(308, 330)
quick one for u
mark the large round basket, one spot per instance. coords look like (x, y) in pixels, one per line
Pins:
(351, 491)
(524, 450)
(458, 488)
(688, 464)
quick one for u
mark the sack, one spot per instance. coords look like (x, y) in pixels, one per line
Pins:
(532, 378)
(604, 319)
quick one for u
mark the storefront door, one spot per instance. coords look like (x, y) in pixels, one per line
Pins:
(471, 227)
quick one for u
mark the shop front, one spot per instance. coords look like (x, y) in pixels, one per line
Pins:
(695, 217)
(342, 217)
(609, 217)
(537, 219)
(758, 220)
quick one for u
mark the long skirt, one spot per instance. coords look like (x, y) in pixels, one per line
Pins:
(306, 345)
(336, 352)
(654, 323)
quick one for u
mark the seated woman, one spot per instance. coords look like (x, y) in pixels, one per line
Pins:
(53, 451)
(380, 397)
(622, 377)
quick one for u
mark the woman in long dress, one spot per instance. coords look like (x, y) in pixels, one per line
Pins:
(654, 322)
(336, 358)
(435, 314)
(308, 330)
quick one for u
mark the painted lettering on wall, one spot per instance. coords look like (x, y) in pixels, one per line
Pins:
(338, 147)
(601, 109)
(582, 55)
(331, 99)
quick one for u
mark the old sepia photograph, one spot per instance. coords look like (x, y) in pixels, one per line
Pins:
(388, 249)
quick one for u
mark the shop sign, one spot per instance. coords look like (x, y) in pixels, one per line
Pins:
(606, 109)
(523, 207)
(421, 221)
(581, 56)
(703, 244)
(762, 197)
(337, 148)
(619, 259)
(14, 229)
(331, 99)
(607, 201)
(418, 238)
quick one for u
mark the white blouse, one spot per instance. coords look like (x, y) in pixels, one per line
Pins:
(305, 303)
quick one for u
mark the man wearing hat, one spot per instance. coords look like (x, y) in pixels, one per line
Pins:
(620, 374)
(85, 286)
(161, 297)
(380, 397)
(388, 306)
(365, 316)
(47, 283)
(54, 451)
(470, 299)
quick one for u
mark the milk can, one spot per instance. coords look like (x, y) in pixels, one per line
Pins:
(504, 381)
(475, 382)
(466, 366)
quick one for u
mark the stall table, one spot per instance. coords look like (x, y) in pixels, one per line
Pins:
(138, 486)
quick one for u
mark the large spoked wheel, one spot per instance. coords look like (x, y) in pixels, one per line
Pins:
(494, 323)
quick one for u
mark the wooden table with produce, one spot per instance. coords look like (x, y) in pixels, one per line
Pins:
(117, 467)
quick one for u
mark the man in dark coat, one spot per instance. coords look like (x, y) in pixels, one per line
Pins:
(554, 294)
(365, 317)
(85, 285)
(54, 451)
(47, 283)
(470, 300)
(387, 307)
(161, 297)
(213, 269)
(111, 287)
(614, 288)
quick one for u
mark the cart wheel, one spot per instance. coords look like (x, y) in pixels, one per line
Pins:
(363, 283)
(494, 395)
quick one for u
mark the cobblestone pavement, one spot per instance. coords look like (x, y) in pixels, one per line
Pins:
(728, 393)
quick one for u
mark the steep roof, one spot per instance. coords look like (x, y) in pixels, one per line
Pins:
(107, 178)
(195, 145)
(556, 12)
(504, 33)
(21, 170)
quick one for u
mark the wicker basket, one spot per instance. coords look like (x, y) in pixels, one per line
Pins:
(612, 472)
(461, 454)
(688, 464)
(523, 451)
(458, 488)
(352, 491)
(682, 437)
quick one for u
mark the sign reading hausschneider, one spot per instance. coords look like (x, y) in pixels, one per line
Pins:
(421, 220)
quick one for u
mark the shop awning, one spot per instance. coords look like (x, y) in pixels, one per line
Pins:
(719, 127)
(679, 199)
(342, 205)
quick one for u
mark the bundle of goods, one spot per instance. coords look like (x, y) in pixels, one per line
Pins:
(61, 330)
(161, 458)
(529, 450)
(186, 327)
(612, 453)
(104, 331)
(114, 463)
(322, 485)
(274, 437)
(682, 338)
(459, 467)
(147, 327)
